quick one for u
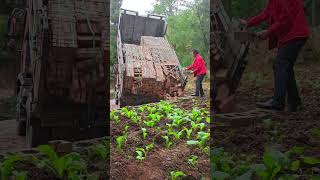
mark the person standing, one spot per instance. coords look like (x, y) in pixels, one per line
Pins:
(199, 71)
(288, 31)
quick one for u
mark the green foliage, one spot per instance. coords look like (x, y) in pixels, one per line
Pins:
(102, 150)
(193, 160)
(188, 132)
(175, 175)
(120, 141)
(149, 147)
(141, 154)
(68, 166)
(7, 168)
(144, 133)
(188, 27)
(167, 141)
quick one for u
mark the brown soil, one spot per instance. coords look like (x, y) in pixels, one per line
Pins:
(160, 161)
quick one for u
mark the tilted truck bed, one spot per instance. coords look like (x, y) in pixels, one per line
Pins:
(148, 68)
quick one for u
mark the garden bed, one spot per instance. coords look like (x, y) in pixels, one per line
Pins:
(79, 160)
(161, 141)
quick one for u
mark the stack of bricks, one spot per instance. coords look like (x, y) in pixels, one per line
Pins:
(152, 69)
(78, 53)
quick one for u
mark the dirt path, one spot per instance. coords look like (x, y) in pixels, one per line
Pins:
(9, 140)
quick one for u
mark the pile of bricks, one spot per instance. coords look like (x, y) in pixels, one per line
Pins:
(152, 69)
(78, 62)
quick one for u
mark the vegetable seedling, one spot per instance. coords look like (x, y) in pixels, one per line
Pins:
(67, 166)
(168, 142)
(141, 154)
(177, 135)
(126, 128)
(149, 147)
(151, 109)
(194, 125)
(203, 136)
(175, 175)
(193, 142)
(141, 108)
(188, 132)
(144, 133)
(120, 140)
(149, 123)
(202, 126)
(193, 160)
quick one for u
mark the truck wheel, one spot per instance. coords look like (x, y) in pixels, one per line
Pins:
(36, 135)
(21, 115)
(33, 135)
(21, 128)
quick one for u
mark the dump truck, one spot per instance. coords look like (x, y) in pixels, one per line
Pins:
(63, 70)
(148, 69)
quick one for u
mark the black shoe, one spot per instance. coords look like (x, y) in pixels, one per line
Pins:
(194, 95)
(295, 107)
(271, 105)
(265, 98)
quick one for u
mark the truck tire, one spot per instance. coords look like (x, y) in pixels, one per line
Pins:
(21, 128)
(35, 134)
(21, 113)
(32, 135)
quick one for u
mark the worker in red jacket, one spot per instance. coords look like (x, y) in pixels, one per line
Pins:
(288, 31)
(199, 71)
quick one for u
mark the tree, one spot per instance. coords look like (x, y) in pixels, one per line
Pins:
(114, 18)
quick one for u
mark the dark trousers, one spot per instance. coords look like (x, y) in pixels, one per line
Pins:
(199, 89)
(284, 78)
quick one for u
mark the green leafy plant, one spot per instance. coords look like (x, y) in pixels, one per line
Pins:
(141, 154)
(144, 133)
(165, 107)
(177, 121)
(102, 150)
(175, 175)
(202, 126)
(177, 135)
(141, 108)
(195, 113)
(151, 109)
(167, 141)
(114, 117)
(149, 123)
(311, 160)
(194, 125)
(69, 165)
(193, 160)
(208, 120)
(188, 132)
(155, 117)
(193, 142)
(126, 128)
(203, 137)
(120, 141)
(7, 168)
(149, 147)
(170, 126)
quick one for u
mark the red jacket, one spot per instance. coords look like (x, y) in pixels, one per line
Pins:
(198, 66)
(286, 19)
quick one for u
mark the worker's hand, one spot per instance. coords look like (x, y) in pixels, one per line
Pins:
(243, 22)
(263, 34)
